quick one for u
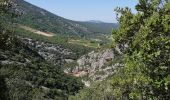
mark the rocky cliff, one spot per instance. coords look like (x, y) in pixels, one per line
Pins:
(96, 65)
(51, 52)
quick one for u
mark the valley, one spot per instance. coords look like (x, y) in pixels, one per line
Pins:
(49, 51)
(47, 57)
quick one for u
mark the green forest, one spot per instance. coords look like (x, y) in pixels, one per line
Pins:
(143, 38)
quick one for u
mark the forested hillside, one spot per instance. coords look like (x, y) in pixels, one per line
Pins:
(38, 18)
(24, 73)
(65, 32)
(100, 27)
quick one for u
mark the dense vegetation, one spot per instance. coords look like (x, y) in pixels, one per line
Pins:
(24, 74)
(146, 75)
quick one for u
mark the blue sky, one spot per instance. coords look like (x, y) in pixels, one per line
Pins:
(84, 10)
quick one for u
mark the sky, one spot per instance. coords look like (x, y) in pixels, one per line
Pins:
(85, 10)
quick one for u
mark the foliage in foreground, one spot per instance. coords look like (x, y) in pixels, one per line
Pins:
(146, 74)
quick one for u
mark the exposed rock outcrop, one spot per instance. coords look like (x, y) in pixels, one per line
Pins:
(51, 52)
(95, 66)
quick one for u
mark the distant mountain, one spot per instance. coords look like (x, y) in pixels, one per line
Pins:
(95, 21)
(99, 26)
(43, 20)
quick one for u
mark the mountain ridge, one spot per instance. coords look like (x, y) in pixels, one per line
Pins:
(44, 20)
(97, 21)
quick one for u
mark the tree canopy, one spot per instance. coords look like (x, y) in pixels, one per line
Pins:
(146, 74)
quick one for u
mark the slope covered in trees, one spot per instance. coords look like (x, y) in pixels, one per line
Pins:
(24, 74)
(99, 27)
(43, 20)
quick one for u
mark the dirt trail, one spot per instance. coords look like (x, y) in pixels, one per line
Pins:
(48, 34)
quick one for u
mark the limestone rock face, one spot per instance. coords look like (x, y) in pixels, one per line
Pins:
(95, 66)
(51, 52)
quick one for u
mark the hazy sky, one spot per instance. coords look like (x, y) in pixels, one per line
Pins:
(84, 10)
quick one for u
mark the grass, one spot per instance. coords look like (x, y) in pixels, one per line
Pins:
(87, 43)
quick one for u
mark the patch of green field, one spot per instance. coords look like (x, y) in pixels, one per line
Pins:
(84, 42)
